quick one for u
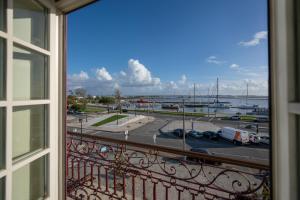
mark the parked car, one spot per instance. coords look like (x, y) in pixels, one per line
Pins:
(70, 112)
(250, 126)
(104, 150)
(195, 134)
(262, 119)
(202, 160)
(234, 135)
(179, 132)
(253, 138)
(235, 117)
(79, 113)
(211, 135)
(265, 139)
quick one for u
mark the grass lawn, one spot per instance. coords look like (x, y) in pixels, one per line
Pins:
(94, 110)
(110, 119)
(190, 114)
(248, 118)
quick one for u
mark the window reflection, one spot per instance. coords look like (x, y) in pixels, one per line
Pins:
(2, 69)
(2, 15)
(30, 79)
(29, 129)
(31, 22)
(2, 137)
(30, 181)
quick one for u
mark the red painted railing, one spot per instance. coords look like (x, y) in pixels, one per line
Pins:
(106, 168)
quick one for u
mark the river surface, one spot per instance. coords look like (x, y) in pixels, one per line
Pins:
(262, 102)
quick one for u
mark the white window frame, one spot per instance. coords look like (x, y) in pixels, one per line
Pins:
(52, 101)
(284, 107)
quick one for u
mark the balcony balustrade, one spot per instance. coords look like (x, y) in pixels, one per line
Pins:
(106, 168)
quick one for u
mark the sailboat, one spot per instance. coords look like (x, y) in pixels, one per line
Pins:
(247, 106)
(194, 104)
(217, 103)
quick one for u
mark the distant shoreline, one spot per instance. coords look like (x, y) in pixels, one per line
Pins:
(198, 96)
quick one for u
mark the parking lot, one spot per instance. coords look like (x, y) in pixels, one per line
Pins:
(150, 133)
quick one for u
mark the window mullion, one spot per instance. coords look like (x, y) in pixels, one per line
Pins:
(9, 75)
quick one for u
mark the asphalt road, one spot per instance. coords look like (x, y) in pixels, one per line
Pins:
(150, 134)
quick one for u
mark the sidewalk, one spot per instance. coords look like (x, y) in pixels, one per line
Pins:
(125, 124)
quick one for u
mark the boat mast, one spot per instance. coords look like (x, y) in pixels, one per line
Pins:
(194, 98)
(247, 95)
(217, 90)
(194, 94)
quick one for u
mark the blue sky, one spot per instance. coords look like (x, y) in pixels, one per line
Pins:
(163, 47)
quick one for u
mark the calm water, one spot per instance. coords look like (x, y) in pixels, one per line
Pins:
(261, 102)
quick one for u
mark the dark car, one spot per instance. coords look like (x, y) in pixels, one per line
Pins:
(211, 135)
(70, 112)
(195, 134)
(235, 117)
(178, 132)
(202, 160)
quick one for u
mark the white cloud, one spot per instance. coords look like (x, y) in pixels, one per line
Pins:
(214, 60)
(234, 66)
(123, 73)
(255, 40)
(137, 79)
(238, 87)
(171, 85)
(183, 79)
(103, 75)
(138, 74)
(82, 76)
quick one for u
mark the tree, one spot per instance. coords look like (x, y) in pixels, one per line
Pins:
(71, 92)
(107, 101)
(80, 92)
(118, 98)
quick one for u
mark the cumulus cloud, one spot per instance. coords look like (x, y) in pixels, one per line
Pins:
(82, 76)
(234, 66)
(103, 75)
(123, 73)
(171, 85)
(137, 79)
(138, 74)
(183, 79)
(255, 40)
(238, 87)
(214, 60)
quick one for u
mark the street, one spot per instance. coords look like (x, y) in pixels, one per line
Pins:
(150, 134)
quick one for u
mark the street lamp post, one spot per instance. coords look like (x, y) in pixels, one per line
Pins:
(117, 118)
(80, 121)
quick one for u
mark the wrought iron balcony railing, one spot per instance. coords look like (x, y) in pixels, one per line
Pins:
(105, 168)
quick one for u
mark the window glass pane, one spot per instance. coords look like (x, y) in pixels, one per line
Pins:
(2, 188)
(297, 70)
(30, 76)
(30, 181)
(29, 129)
(31, 22)
(2, 15)
(2, 137)
(2, 69)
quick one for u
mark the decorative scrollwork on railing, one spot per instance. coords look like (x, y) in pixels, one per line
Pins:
(98, 169)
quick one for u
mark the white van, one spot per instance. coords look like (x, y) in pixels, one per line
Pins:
(235, 135)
